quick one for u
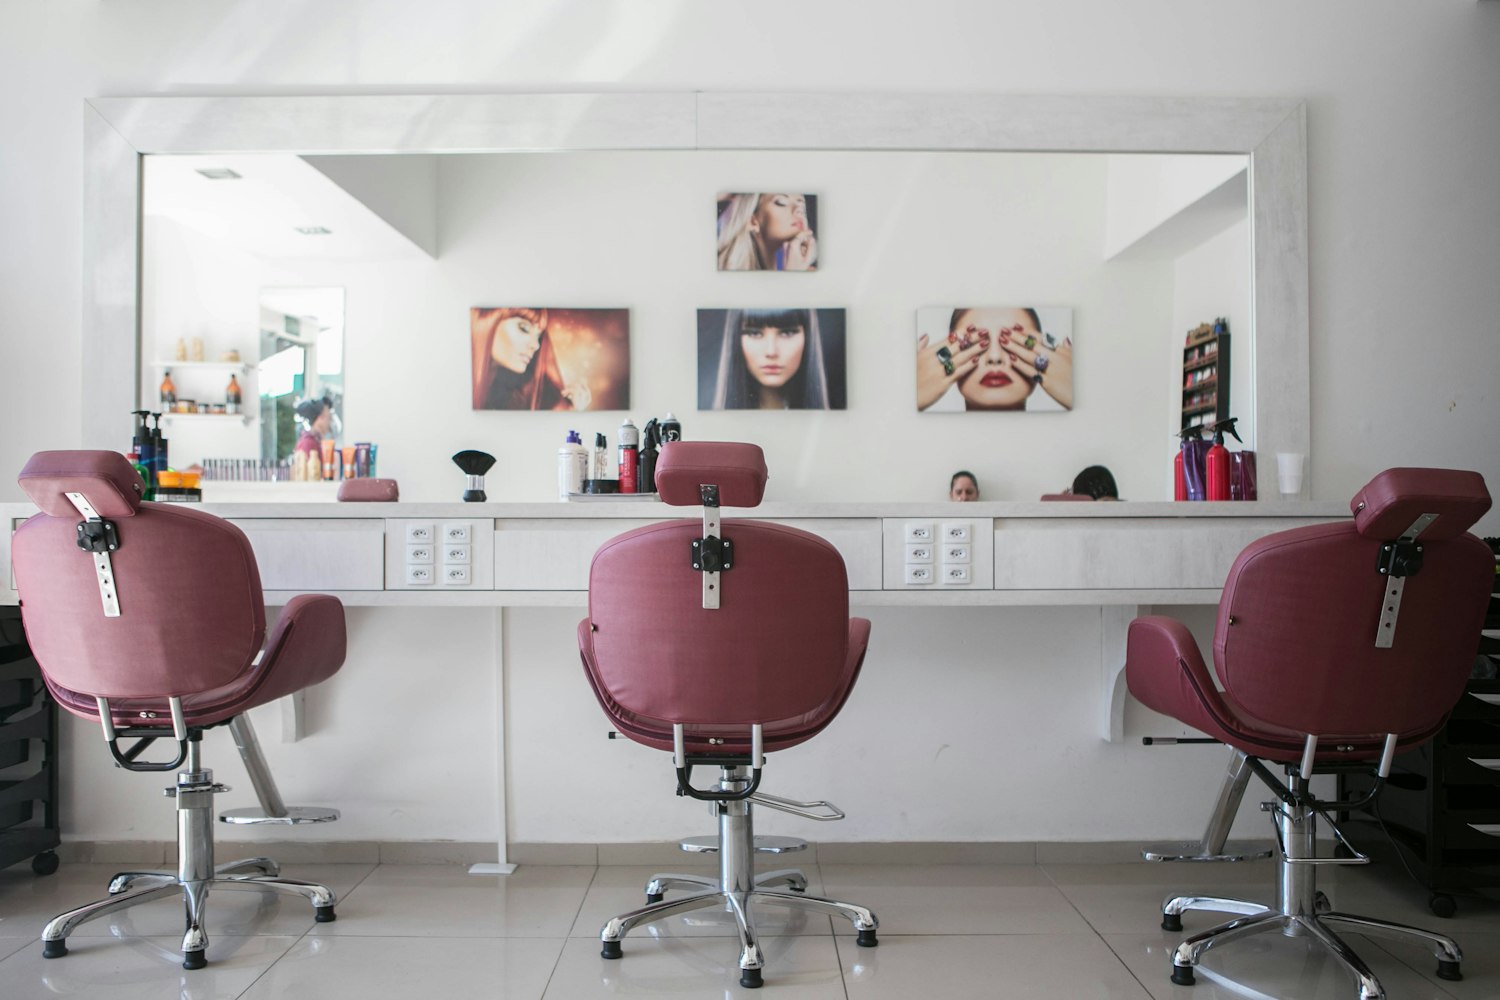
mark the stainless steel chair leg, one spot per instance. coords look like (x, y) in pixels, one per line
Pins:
(657, 887)
(1369, 986)
(195, 939)
(1444, 948)
(126, 881)
(1186, 954)
(321, 897)
(792, 878)
(249, 866)
(751, 960)
(1175, 906)
(859, 916)
(617, 927)
(54, 935)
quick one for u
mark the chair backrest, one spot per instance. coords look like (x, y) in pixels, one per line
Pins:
(192, 614)
(1051, 497)
(776, 647)
(1295, 643)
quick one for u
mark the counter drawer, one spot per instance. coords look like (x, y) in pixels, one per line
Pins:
(1122, 554)
(317, 554)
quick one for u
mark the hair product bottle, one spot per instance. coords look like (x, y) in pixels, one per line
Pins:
(630, 443)
(1188, 468)
(671, 430)
(232, 396)
(1216, 462)
(572, 466)
(168, 390)
(645, 475)
(600, 465)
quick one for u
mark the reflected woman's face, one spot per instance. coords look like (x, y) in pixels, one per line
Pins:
(773, 353)
(781, 216)
(516, 342)
(995, 384)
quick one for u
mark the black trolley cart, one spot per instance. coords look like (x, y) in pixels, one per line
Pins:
(28, 754)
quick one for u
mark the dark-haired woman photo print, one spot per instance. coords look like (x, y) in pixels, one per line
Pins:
(771, 359)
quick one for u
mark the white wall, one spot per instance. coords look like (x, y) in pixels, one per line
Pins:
(1404, 208)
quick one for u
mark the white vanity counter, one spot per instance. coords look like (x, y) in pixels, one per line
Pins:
(944, 554)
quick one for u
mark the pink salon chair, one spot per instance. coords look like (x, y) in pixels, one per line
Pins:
(723, 641)
(148, 619)
(1337, 645)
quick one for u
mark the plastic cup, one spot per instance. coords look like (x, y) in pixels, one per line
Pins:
(1289, 473)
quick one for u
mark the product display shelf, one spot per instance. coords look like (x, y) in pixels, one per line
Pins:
(28, 755)
(1205, 376)
(1441, 805)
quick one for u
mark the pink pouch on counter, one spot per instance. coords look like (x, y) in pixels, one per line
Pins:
(378, 490)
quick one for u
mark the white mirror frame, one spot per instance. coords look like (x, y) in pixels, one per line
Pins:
(119, 131)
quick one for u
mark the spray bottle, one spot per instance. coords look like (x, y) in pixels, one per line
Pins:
(1216, 463)
(645, 476)
(159, 462)
(1188, 468)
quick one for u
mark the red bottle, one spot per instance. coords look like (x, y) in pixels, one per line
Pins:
(1216, 464)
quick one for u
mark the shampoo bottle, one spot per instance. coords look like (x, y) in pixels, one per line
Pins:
(1216, 462)
(1189, 465)
(572, 466)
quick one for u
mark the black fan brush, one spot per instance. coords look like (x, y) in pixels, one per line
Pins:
(474, 465)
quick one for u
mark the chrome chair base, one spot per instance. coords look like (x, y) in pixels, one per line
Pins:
(1301, 910)
(1257, 919)
(738, 888)
(196, 873)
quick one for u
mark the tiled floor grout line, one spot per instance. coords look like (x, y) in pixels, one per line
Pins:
(1097, 933)
(568, 937)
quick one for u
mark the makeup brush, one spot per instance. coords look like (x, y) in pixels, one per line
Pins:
(474, 465)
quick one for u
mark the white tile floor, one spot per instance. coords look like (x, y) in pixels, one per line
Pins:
(948, 932)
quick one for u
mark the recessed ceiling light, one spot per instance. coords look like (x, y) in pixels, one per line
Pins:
(218, 173)
(314, 231)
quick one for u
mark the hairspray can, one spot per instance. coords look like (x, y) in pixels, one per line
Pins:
(630, 443)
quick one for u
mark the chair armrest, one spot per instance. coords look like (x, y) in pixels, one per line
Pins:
(1164, 670)
(306, 645)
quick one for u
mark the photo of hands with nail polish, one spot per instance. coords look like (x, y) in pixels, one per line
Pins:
(994, 358)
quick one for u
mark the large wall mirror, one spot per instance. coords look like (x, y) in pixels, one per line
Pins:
(916, 190)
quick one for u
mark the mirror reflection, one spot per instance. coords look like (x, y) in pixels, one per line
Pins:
(1138, 249)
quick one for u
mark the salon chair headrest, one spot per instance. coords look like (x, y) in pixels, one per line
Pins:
(1388, 504)
(106, 480)
(737, 469)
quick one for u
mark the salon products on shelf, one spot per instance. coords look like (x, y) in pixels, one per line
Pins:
(572, 466)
